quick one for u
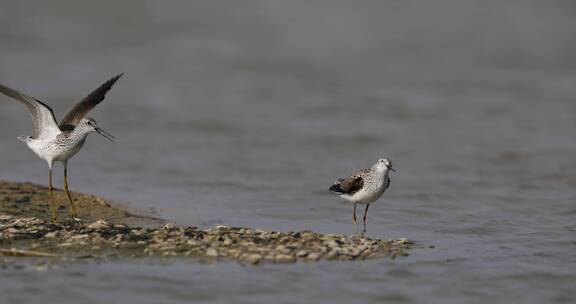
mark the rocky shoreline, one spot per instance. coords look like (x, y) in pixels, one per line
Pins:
(22, 235)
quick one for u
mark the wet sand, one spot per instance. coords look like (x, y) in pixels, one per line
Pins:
(30, 200)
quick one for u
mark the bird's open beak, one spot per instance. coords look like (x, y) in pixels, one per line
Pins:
(391, 168)
(105, 134)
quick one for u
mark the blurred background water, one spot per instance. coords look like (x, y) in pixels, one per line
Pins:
(244, 112)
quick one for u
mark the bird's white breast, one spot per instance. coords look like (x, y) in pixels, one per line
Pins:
(53, 149)
(369, 193)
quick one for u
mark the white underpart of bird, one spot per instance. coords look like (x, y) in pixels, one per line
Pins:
(59, 146)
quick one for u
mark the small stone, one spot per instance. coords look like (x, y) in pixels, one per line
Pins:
(269, 257)
(254, 259)
(281, 249)
(79, 238)
(50, 235)
(332, 255)
(192, 243)
(211, 252)
(284, 258)
(5, 218)
(99, 224)
(168, 226)
(301, 253)
(332, 244)
(353, 252)
(403, 241)
(137, 231)
(249, 244)
(313, 256)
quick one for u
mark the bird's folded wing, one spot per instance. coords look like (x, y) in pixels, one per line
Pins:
(82, 108)
(353, 183)
(45, 125)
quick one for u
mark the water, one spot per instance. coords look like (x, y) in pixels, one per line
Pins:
(244, 113)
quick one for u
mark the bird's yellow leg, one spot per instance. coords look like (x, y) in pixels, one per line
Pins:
(354, 219)
(72, 209)
(365, 215)
(52, 201)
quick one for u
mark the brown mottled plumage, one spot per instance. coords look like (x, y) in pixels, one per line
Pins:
(350, 184)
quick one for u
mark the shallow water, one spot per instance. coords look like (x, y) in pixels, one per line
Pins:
(243, 114)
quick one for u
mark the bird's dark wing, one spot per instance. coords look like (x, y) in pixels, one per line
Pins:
(82, 108)
(45, 125)
(351, 184)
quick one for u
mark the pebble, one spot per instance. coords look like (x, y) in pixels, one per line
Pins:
(301, 253)
(314, 256)
(211, 252)
(168, 226)
(332, 244)
(254, 259)
(284, 258)
(332, 255)
(50, 235)
(99, 224)
(403, 241)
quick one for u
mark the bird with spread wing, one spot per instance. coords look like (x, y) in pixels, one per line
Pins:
(59, 142)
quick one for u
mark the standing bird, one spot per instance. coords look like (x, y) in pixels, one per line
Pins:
(59, 142)
(364, 186)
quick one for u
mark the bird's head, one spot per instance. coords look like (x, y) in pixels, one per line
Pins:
(383, 165)
(90, 125)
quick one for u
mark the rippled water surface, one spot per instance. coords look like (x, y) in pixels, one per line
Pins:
(243, 113)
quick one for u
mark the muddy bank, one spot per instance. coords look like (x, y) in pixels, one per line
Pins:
(30, 200)
(26, 231)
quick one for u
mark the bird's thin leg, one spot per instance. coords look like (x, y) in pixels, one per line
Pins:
(52, 201)
(365, 215)
(354, 219)
(72, 209)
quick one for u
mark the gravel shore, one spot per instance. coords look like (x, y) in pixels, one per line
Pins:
(23, 234)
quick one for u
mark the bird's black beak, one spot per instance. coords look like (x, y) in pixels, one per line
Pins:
(105, 134)
(390, 167)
